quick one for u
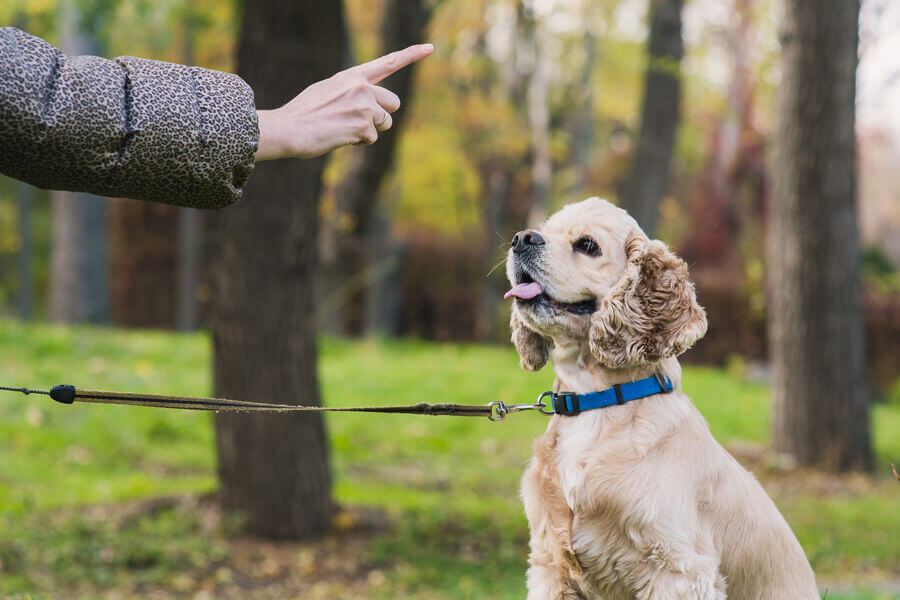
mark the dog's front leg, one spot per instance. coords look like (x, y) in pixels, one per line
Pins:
(695, 578)
(551, 583)
(553, 563)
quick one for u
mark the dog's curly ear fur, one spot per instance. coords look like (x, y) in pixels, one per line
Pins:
(652, 313)
(533, 348)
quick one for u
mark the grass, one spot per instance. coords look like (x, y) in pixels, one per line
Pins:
(448, 485)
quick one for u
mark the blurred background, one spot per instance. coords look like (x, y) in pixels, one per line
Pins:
(389, 271)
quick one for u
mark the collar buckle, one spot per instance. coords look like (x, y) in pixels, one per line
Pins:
(566, 403)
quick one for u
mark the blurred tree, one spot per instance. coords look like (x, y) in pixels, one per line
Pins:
(274, 469)
(189, 219)
(648, 175)
(155, 257)
(79, 284)
(189, 265)
(539, 117)
(730, 191)
(142, 262)
(584, 136)
(24, 193)
(516, 100)
(815, 320)
(26, 251)
(361, 228)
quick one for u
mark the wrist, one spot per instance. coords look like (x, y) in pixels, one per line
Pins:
(272, 137)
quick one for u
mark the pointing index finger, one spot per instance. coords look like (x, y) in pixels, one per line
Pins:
(376, 70)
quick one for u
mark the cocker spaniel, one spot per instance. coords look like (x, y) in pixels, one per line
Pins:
(635, 500)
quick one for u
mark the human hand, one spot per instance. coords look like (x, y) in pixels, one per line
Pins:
(347, 108)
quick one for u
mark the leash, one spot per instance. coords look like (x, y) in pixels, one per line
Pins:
(69, 394)
(563, 403)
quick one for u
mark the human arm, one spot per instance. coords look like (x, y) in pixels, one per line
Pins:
(169, 133)
(126, 127)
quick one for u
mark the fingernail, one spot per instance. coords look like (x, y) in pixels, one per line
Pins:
(429, 47)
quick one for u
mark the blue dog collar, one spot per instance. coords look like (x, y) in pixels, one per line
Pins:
(569, 403)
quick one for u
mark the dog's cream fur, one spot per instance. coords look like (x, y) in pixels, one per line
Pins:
(636, 501)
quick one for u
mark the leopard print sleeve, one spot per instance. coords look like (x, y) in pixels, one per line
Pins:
(127, 127)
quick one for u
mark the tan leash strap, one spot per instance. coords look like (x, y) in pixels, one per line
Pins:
(68, 394)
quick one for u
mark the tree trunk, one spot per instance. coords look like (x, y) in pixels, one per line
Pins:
(189, 219)
(539, 123)
(189, 244)
(583, 136)
(818, 368)
(274, 468)
(24, 193)
(142, 262)
(403, 23)
(648, 175)
(497, 179)
(79, 288)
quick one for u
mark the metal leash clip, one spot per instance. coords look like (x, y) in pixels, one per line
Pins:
(499, 410)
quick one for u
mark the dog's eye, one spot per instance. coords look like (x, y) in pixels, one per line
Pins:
(587, 246)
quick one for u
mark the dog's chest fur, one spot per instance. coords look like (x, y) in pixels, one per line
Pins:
(601, 523)
(592, 437)
(575, 467)
(554, 490)
(572, 489)
(575, 443)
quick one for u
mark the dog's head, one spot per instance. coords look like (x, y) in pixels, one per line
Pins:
(590, 274)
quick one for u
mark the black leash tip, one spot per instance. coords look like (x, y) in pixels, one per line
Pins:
(64, 394)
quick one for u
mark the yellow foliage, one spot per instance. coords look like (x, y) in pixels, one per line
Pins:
(436, 188)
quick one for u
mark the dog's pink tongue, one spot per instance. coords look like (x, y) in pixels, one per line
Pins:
(525, 291)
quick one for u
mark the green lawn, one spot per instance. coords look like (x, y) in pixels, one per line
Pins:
(449, 485)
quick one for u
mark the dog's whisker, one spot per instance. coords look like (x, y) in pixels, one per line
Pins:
(495, 267)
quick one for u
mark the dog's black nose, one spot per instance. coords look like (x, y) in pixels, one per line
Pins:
(525, 240)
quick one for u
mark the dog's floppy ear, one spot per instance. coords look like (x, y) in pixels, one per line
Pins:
(652, 313)
(533, 348)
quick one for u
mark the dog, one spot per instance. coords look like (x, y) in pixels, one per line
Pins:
(637, 500)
